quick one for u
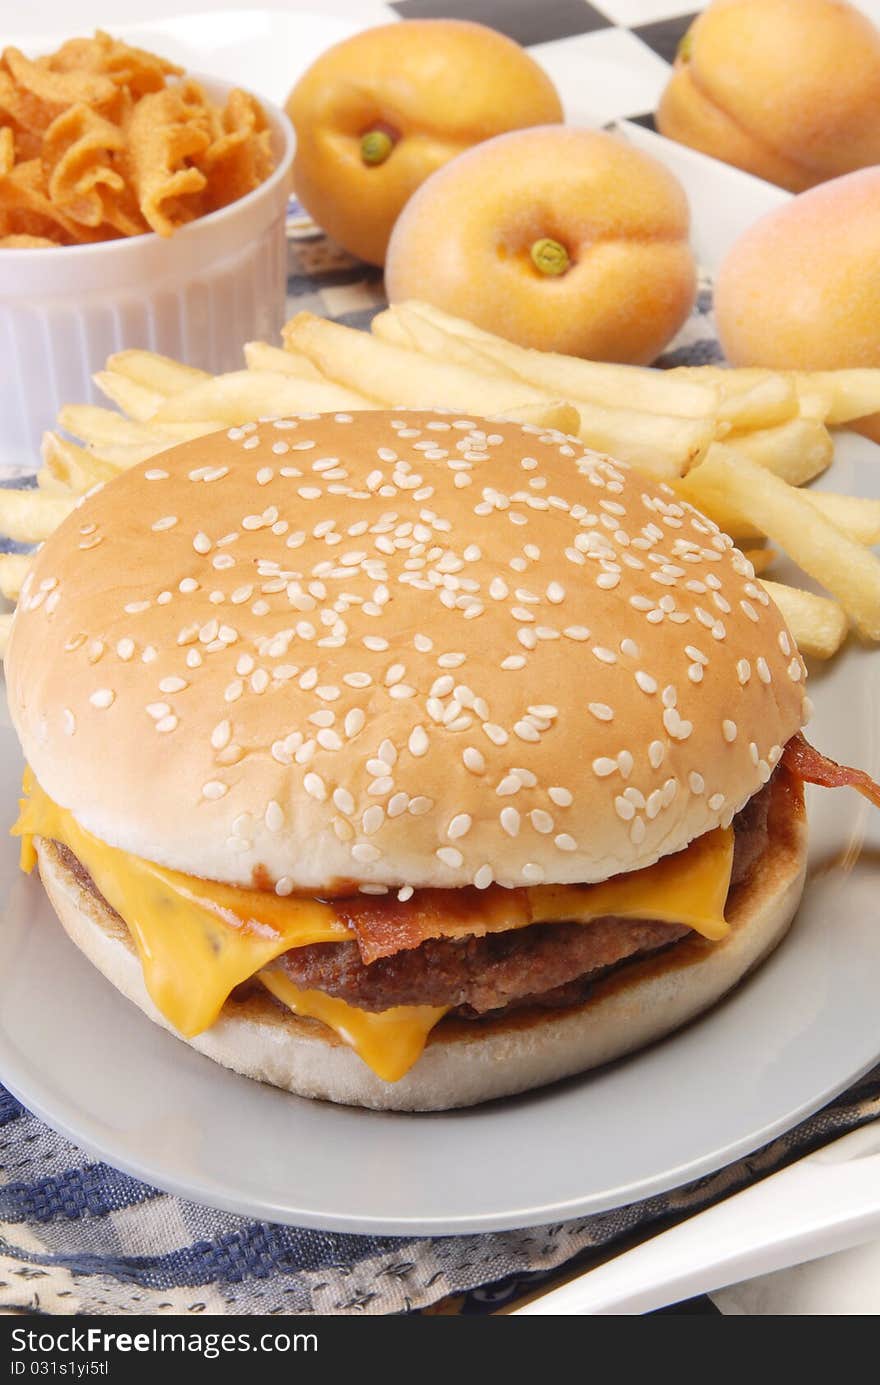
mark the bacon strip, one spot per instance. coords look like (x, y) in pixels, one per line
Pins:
(387, 925)
(803, 759)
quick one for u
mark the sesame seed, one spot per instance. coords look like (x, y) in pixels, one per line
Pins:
(656, 753)
(372, 818)
(565, 842)
(541, 820)
(676, 726)
(762, 669)
(510, 820)
(603, 766)
(459, 826)
(645, 681)
(221, 735)
(637, 831)
(532, 872)
(418, 741)
(201, 543)
(526, 731)
(561, 797)
(716, 802)
(697, 782)
(102, 698)
(214, 788)
(483, 877)
(314, 786)
(273, 816)
(166, 723)
(496, 734)
(743, 671)
(365, 853)
(729, 730)
(450, 856)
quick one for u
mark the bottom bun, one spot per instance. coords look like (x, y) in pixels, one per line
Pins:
(466, 1062)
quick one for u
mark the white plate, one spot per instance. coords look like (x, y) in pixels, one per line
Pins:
(795, 1034)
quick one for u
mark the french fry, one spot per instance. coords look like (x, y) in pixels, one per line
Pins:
(814, 397)
(29, 516)
(390, 328)
(72, 466)
(665, 447)
(850, 572)
(797, 450)
(395, 376)
(259, 355)
(818, 625)
(95, 425)
(102, 430)
(403, 327)
(244, 395)
(5, 627)
(856, 516)
(764, 404)
(13, 570)
(135, 400)
(158, 373)
(761, 558)
(852, 393)
(564, 418)
(569, 377)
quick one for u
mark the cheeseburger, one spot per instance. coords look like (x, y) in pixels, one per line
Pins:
(408, 760)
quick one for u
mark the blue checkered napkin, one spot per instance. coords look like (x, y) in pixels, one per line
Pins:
(79, 1237)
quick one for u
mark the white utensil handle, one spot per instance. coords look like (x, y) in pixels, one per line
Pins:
(826, 1202)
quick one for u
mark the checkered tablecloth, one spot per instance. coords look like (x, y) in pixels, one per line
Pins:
(77, 1236)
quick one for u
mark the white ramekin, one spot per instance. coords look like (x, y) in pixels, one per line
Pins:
(197, 295)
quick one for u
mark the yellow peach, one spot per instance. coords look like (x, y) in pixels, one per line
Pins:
(801, 288)
(558, 238)
(786, 89)
(376, 115)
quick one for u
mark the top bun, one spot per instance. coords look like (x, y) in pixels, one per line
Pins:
(397, 648)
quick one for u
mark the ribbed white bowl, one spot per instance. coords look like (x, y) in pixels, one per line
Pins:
(197, 295)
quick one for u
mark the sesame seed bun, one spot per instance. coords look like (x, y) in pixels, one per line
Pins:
(468, 1062)
(397, 649)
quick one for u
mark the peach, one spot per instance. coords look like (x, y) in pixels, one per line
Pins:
(801, 288)
(376, 115)
(557, 238)
(786, 89)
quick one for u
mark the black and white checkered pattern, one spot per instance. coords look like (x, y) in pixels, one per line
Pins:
(609, 59)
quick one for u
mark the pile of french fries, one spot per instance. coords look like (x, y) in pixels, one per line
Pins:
(738, 444)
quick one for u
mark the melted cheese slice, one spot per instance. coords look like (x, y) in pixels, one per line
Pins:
(198, 939)
(389, 1041)
(689, 887)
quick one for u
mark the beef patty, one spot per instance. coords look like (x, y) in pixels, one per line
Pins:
(549, 964)
(545, 963)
